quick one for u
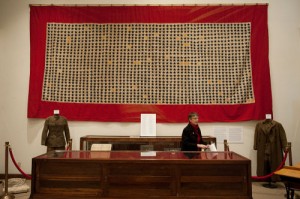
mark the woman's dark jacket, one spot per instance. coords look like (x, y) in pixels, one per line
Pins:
(189, 139)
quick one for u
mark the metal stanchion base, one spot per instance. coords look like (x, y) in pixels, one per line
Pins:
(8, 196)
(270, 186)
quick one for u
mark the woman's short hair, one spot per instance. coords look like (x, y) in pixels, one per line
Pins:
(193, 114)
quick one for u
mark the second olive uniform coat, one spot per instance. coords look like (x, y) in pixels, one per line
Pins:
(270, 142)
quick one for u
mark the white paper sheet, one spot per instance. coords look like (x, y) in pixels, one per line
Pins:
(212, 147)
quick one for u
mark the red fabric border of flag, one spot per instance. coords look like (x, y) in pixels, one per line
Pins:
(256, 14)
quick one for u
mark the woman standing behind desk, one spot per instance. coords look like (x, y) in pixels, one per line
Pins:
(191, 139)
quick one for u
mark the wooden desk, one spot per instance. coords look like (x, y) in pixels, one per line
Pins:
(290, 175)
(160, 143)
(135, 174)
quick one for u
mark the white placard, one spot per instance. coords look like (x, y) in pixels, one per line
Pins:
(148, 124)
(56, 112)
(231, 134)
(268, 116)
(235, 135)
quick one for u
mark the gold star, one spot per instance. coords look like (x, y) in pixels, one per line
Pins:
(134, 87)
(49, 85)
(184, 63)
(68, 39)
(250, 100)
(136, 62)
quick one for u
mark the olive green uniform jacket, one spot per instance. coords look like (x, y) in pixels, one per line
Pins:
(56, 132)
(270, 142)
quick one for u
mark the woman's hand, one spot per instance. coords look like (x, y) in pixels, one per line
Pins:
(202, 146)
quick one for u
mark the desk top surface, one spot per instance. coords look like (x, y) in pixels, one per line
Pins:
(290, 171)
(141, 155)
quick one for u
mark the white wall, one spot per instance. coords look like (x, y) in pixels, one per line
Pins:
(24, 134)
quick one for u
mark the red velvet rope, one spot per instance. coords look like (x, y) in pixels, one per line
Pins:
(269, 175)
(17, 166)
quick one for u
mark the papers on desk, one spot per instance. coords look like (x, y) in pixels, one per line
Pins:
(212, 147)
(101, 147)
(148, 153)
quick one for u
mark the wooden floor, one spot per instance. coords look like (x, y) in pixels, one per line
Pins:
(258, 192)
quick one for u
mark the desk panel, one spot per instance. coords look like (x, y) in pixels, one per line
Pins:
(135, 174)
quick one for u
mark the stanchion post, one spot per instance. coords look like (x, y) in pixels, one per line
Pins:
(226, 147)
(6, 194)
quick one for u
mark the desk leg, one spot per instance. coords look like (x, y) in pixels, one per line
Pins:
(292, 193)
(287, 188)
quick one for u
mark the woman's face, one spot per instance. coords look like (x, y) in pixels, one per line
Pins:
(194, 120)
